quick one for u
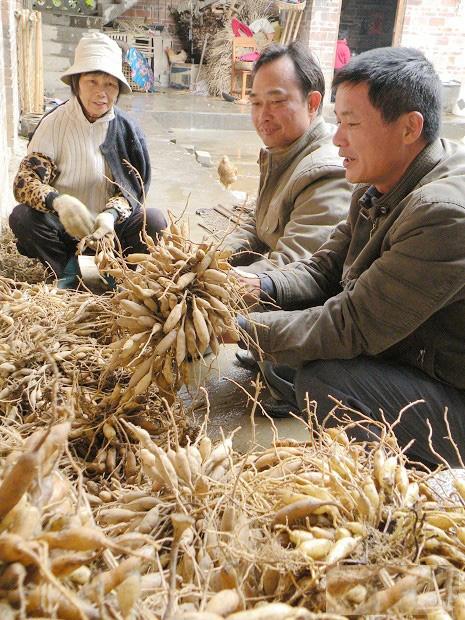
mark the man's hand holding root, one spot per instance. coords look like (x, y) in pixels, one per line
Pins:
(250, 285)
(74, 215)
(231, 335)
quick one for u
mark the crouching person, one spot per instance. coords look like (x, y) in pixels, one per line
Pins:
(302, 190)
(376, 318)
(74, 181)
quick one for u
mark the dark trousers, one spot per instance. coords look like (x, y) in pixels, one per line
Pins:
(372, 386)
(41, 235)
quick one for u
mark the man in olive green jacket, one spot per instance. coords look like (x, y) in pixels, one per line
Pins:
(376, 318)
(303, 192)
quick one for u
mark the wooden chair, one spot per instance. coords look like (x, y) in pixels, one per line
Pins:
(290, 17)
(241, 69)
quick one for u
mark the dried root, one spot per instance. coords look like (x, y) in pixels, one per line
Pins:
(175, 305)
(111, 507)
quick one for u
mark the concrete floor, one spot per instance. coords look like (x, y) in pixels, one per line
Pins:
(241, 146)
(175, 122)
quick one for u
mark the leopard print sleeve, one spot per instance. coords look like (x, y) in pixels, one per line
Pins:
(33, 182)
(121, 206)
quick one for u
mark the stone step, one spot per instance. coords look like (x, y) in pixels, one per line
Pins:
(66, 21)
(107, 12)
(112, 10)
(61, 33)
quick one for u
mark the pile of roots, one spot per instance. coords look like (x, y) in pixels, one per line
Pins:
(15, 266)
(324, 529)
(112, 505)
(55, 349)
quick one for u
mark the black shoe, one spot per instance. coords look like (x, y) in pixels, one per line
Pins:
(280, 409)
(246, 359)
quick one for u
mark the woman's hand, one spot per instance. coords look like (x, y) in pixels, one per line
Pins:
(104, 225)
(74, 215)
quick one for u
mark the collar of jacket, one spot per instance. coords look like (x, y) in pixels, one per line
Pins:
(279, 157)
(75, 111)
(374, 204)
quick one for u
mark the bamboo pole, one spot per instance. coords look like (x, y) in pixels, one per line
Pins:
(20, 46)
(204, 47)
(30, 61)
(39, 67)
(24, 32)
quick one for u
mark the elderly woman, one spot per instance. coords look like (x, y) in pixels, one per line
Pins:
(74, 181)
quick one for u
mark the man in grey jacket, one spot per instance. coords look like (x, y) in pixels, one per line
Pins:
(302, 192)
(376, 318)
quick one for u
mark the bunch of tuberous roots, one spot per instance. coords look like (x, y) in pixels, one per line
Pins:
(329, 529)
(172, 308)
(47, 332)
(55, 562)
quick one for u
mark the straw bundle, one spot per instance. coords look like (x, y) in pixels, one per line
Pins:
(15, 266)
(30, 61)
(219, 54)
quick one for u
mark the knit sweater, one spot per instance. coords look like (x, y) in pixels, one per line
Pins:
(68, 154)
(73, 143)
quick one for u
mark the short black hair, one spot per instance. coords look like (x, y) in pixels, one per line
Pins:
(74, 82)
(307, 69)
(400, 80)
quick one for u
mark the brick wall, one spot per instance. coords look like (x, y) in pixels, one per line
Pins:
(155, 12)
(319, 28)
(437, 27)
(9, 106)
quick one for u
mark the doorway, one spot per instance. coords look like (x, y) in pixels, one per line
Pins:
(367, 24)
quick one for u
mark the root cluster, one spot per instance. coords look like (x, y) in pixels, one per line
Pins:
(113, 506)
(325, 529)
(175, 305)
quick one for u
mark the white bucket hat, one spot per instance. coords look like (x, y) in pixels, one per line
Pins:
(97, 52)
